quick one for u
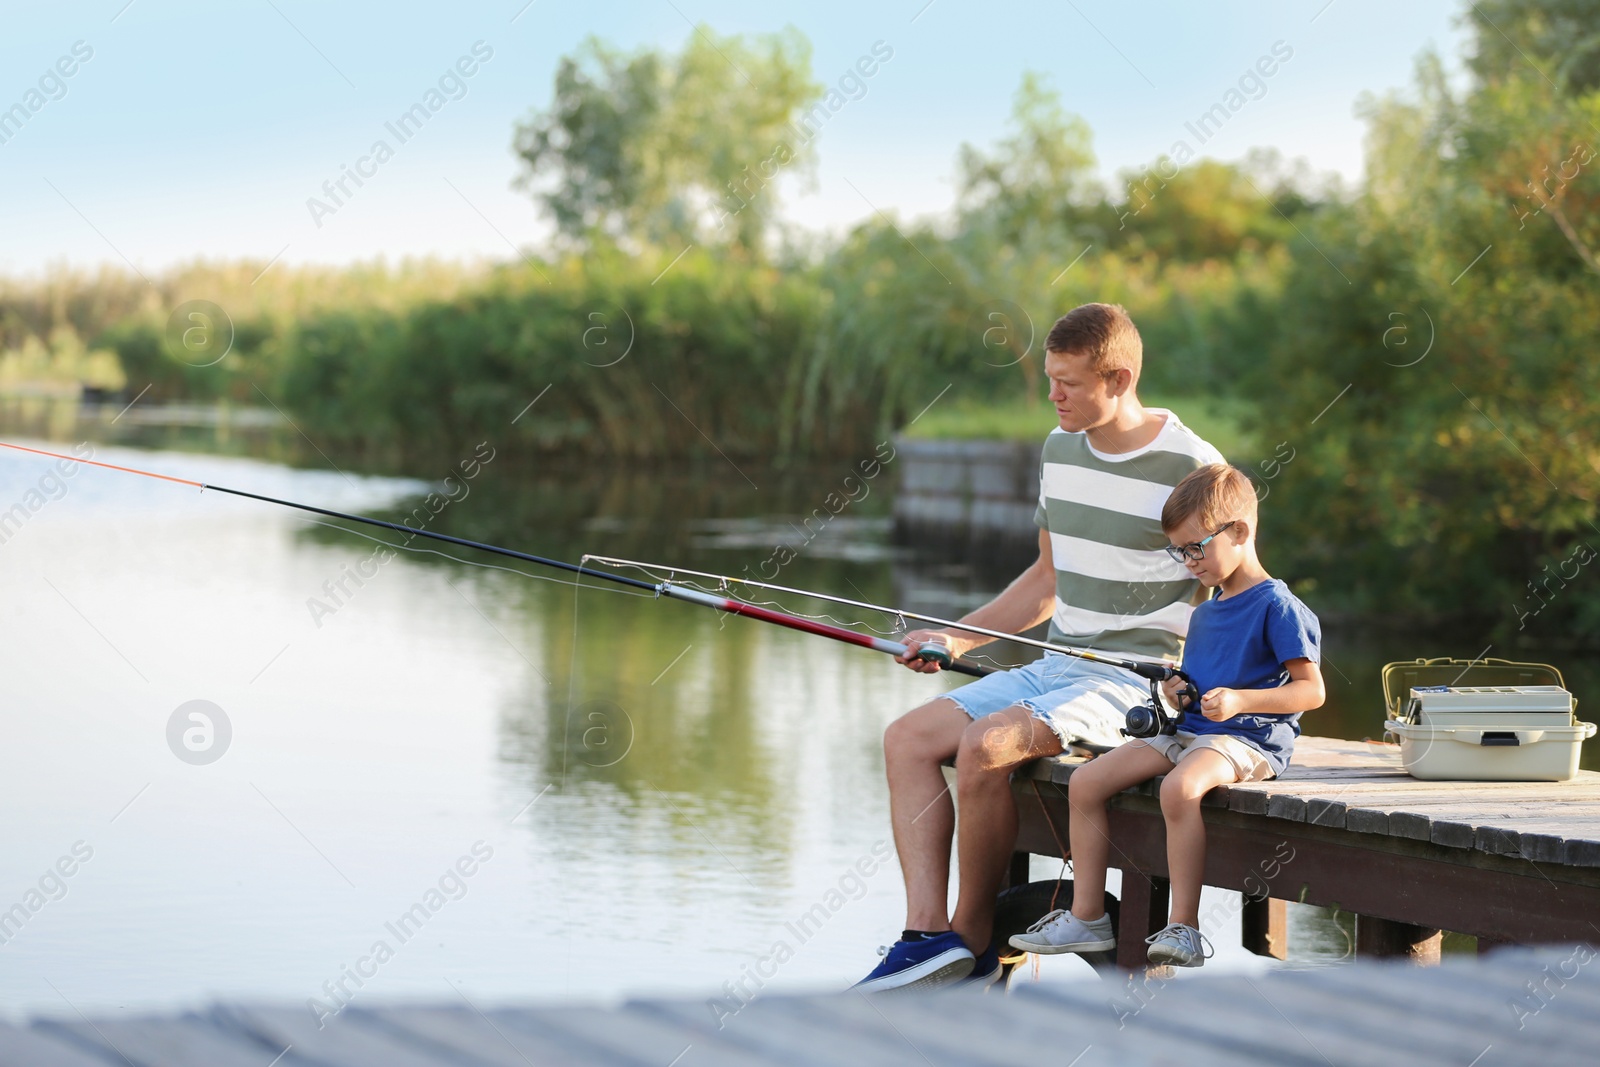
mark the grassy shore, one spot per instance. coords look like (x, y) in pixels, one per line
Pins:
(1220, 420)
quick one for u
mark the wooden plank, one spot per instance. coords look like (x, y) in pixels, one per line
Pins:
(345, 1039)
(1133, 1028)
(627, 1031)
(468, 1034)
(1223, 1014)
(1303, 1021)
(1584, 852)
(1477, 998)
(859, 1029)
(186, 1041)
(768, 1026)
(38, 1048)
(1431, 1008)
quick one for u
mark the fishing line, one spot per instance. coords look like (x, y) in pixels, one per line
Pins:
(670, 575)
(474, 563)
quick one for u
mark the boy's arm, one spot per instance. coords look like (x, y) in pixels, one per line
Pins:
(1303, 692)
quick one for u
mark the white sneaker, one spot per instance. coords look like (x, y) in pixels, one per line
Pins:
(1178, 945)
(1062, 931)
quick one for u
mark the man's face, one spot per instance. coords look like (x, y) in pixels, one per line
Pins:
(1083, 399)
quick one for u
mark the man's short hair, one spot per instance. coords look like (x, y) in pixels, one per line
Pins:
(1104, 333)
(1215, 494)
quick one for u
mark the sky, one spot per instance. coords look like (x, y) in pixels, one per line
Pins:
(201, 128)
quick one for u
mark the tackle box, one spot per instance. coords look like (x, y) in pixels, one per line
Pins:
(1486, 720)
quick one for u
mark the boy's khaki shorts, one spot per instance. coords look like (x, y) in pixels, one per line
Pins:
(1248, 764)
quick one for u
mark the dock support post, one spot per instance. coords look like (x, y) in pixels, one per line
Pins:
(1377, 938)
(1264, 927)
(1017, 870)
(1145, 901)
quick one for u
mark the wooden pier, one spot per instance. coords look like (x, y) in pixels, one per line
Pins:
(1516, 1006)
(1345, 827)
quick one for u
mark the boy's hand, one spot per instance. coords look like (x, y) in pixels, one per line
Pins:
(1220, 704)
(1170, 689)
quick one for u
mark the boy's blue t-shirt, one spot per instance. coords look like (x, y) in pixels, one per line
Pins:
(1243, 642)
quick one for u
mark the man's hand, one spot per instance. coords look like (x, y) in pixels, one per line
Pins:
(1221, 704)
(917, 638)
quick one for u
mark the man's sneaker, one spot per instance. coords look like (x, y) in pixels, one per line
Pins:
(986, 970)
(920, 964)
(1062, 931)
(1179, 945)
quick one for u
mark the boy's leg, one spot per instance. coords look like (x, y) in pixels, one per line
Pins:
(1200, 771)
(1089, 831)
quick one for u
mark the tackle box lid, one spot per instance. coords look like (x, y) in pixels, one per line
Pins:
(1400, 677)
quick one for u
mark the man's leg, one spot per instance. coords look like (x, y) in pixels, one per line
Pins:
(990, 749)
(920, 808)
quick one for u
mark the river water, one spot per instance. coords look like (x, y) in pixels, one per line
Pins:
(445, 781)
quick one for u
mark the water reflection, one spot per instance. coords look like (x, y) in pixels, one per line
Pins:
(637, 764)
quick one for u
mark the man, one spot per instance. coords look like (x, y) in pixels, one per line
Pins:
(1106, 584)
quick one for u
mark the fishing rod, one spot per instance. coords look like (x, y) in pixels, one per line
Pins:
(1146, 720)
(934, 652)
(1150, 671)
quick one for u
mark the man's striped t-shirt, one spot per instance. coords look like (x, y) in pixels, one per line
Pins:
(1117, 591)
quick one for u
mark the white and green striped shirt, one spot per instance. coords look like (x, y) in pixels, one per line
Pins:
(1117, 591)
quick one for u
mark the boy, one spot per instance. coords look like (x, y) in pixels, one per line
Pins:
(1252, 653)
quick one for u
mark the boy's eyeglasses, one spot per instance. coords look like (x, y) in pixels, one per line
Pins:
(1195, 549)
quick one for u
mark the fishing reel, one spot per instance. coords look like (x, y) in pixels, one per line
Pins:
(1149, 720)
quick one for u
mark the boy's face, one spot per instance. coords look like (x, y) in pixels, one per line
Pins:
(1223, 553)
(1083, 399)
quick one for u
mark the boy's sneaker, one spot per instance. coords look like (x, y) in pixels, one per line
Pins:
(923, 964)
(1179, 945)
(986, 970)
(1062, 931)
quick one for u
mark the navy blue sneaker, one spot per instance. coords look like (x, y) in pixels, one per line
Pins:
(920, 964)
(985, 969)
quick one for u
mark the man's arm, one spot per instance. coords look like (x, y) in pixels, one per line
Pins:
(1026, 602)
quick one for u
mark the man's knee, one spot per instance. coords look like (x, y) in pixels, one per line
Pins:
(930, 732)
(998, 744)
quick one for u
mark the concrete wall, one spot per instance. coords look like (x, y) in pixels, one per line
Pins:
(973, 500)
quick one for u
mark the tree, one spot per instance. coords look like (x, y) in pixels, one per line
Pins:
(672, 149)
(1435, 375)
(1034, 178)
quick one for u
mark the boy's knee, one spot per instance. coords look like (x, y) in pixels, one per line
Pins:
(1085, 788)
(1176, 794)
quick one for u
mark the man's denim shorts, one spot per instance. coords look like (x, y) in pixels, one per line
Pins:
(1077, 699)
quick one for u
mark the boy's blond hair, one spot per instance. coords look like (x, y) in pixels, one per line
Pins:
(1215, 494)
